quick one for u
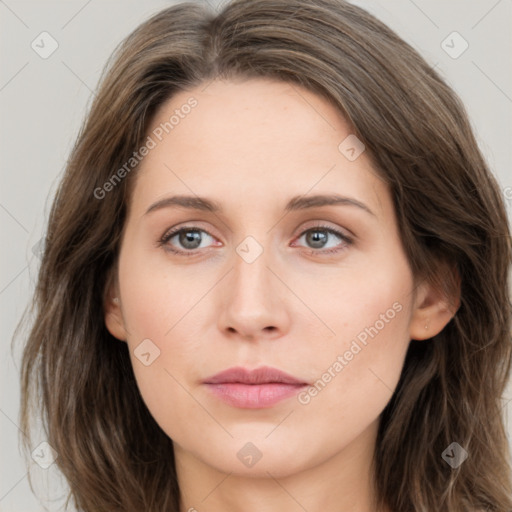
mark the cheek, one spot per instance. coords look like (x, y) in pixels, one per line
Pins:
(157, 296)
(161, 311)
(357, 371)
(356, 305)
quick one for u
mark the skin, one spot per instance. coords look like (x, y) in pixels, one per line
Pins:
(251, 146)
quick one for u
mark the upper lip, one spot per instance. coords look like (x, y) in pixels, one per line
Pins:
(262, 375)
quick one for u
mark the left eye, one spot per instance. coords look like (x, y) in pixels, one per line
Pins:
(318, 238)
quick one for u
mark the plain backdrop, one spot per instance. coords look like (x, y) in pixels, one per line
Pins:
(43, 101)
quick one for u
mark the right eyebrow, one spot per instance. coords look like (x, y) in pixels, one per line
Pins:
(191, 202)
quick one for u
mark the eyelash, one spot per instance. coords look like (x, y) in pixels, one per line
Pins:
(170, 234)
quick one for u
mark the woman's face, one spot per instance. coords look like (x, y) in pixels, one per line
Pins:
(266, 273)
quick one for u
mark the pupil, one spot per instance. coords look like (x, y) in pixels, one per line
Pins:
(190, 239)
(317, 238)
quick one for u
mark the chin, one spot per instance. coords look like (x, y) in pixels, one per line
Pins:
(259, 457)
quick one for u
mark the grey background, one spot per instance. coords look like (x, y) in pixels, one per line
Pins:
(43, 101)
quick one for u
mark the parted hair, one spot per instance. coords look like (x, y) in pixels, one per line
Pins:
(450, 212)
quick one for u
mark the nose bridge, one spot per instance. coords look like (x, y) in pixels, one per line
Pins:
(250, 281)
(252, 301)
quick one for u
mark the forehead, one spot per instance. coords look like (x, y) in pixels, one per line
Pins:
(259, 114)
(256, 139)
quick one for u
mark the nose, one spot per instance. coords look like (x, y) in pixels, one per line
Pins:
(254, 305)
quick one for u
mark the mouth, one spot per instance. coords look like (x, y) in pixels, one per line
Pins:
(253, 389)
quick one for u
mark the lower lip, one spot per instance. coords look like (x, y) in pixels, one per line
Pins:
(254, 396)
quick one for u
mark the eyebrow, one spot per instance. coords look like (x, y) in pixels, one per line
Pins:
(296, 203)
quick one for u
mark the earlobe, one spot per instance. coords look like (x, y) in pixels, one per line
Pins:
(113, 314)
(433, 310)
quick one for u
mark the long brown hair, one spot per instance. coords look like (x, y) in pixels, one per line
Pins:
(450, 213)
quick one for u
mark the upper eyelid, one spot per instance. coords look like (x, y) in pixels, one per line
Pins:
(190, 227)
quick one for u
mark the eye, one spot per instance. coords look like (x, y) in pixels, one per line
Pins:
(192, 238)
(321, 239)
(189, 238)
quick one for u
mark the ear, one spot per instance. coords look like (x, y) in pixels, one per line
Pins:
(435, 305)
(112, 308)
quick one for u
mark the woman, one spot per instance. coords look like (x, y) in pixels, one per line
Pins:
(275, 276)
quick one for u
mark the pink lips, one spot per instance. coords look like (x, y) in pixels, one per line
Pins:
(253, 389)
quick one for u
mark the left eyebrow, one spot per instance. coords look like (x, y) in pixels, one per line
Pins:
(296, 203)
(303, 202)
